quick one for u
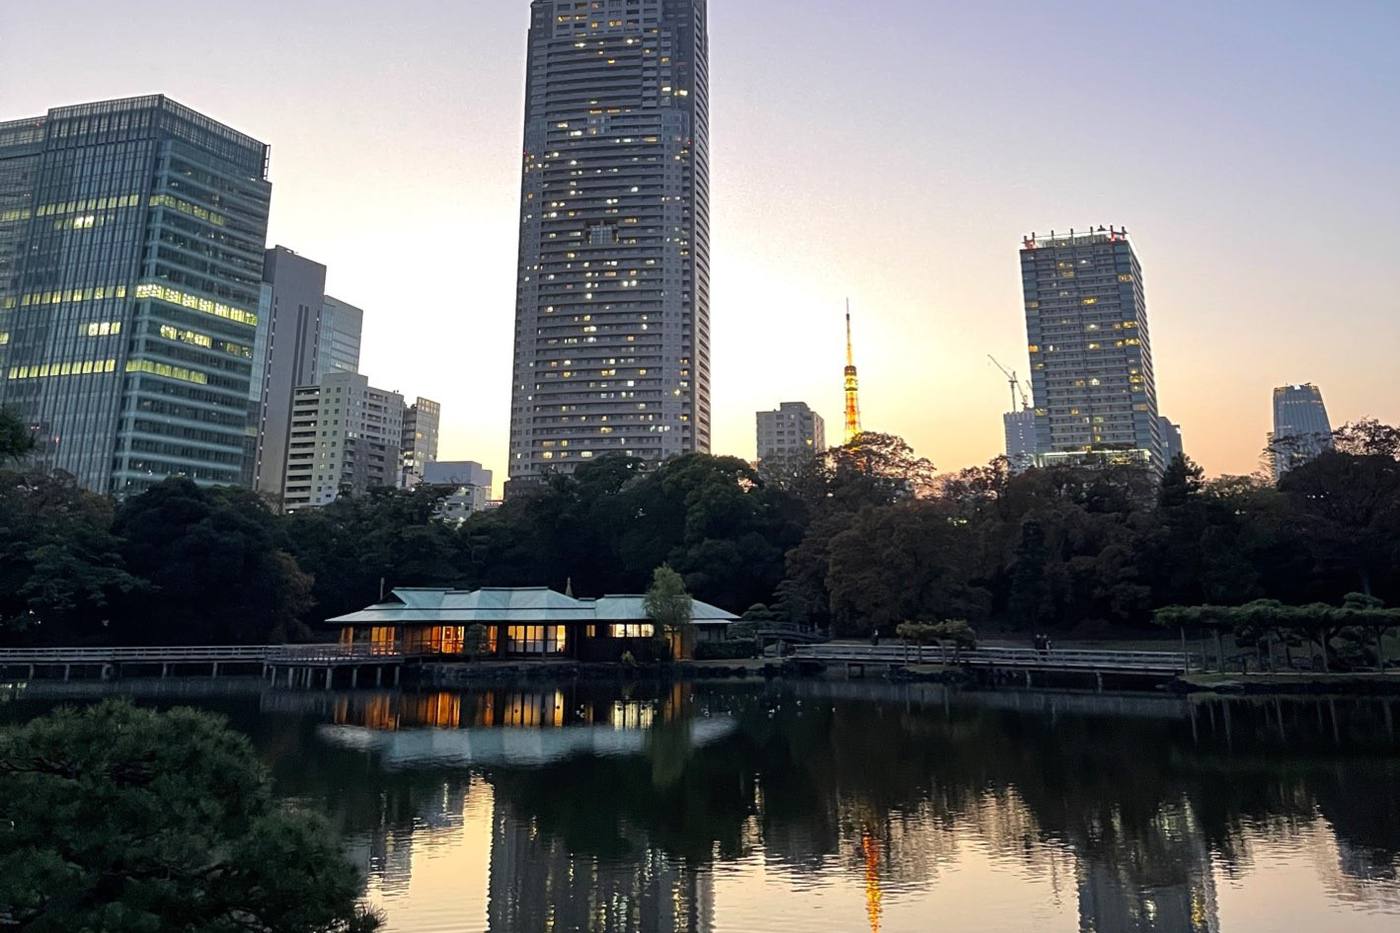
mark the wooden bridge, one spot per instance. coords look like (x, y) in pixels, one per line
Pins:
(300, 663)
(769, 632)
(1028, 661)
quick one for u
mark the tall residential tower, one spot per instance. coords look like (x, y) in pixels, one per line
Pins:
(1090, 353)
(612, 324)
(131, 254)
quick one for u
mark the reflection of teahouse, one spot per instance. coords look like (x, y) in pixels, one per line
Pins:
(526, 622)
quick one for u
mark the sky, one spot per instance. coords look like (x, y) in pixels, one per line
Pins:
(891, 151)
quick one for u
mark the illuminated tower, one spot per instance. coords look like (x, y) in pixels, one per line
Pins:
(852, 385)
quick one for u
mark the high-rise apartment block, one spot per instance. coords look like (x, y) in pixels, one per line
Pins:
(1090, 351)
(1302, 429)
(309, 334)
(419, 447)
(131, 254)
(790, 433)
(345, 438)
(612, 329)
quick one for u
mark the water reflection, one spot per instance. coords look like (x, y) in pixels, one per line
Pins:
(849, 807)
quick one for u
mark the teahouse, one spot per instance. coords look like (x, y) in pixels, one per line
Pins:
(524, 622)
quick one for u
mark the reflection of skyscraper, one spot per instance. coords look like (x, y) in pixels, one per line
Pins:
(1161, 882)
(537, 883)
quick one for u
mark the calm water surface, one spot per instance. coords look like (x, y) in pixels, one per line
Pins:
(839, 807)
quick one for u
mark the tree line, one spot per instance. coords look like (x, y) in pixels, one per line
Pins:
(863, 538)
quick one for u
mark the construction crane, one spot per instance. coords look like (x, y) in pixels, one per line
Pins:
(1017, 392)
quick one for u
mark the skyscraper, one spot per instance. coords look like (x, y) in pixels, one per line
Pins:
(308, 334)
(612, 327)
(131, 247)
(852, 385)
(1090, 352)
(345, 438)
(793, 431)
(420, 440)
(297, 288)
(1302, 429)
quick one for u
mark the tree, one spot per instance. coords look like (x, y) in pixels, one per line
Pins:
(875, 469)
(1350, 506)
(670, 607)
(61, 569)
(117, 818)
(16, 439)
(216, 566)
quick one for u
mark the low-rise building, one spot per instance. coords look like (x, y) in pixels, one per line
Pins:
(522, 622)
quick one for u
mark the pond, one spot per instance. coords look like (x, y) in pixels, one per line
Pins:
(836, 806)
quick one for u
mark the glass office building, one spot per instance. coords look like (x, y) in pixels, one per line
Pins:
(131, 248)
(612, 329)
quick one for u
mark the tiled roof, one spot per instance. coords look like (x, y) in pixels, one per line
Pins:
(521, 606)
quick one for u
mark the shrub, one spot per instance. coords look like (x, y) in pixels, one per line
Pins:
(726, 650)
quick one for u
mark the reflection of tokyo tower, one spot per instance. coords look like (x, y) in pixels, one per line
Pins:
(852, 384)
(870, 848)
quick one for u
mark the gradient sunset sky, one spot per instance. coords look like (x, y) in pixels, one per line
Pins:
(892, 151)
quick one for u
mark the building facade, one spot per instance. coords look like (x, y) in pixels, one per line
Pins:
(469, 485)
(790, 433)
(342, 326)
(612, 327)
(1302, 429)
(309, 333)
(344, 440)
(1090, 349)
(419, 446)
(296, 288)
(1170, 433)
(131, 252)
(1020, 428)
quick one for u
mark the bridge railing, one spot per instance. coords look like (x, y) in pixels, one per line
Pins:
(1055, 658)
(140, 655)
(331, 653)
